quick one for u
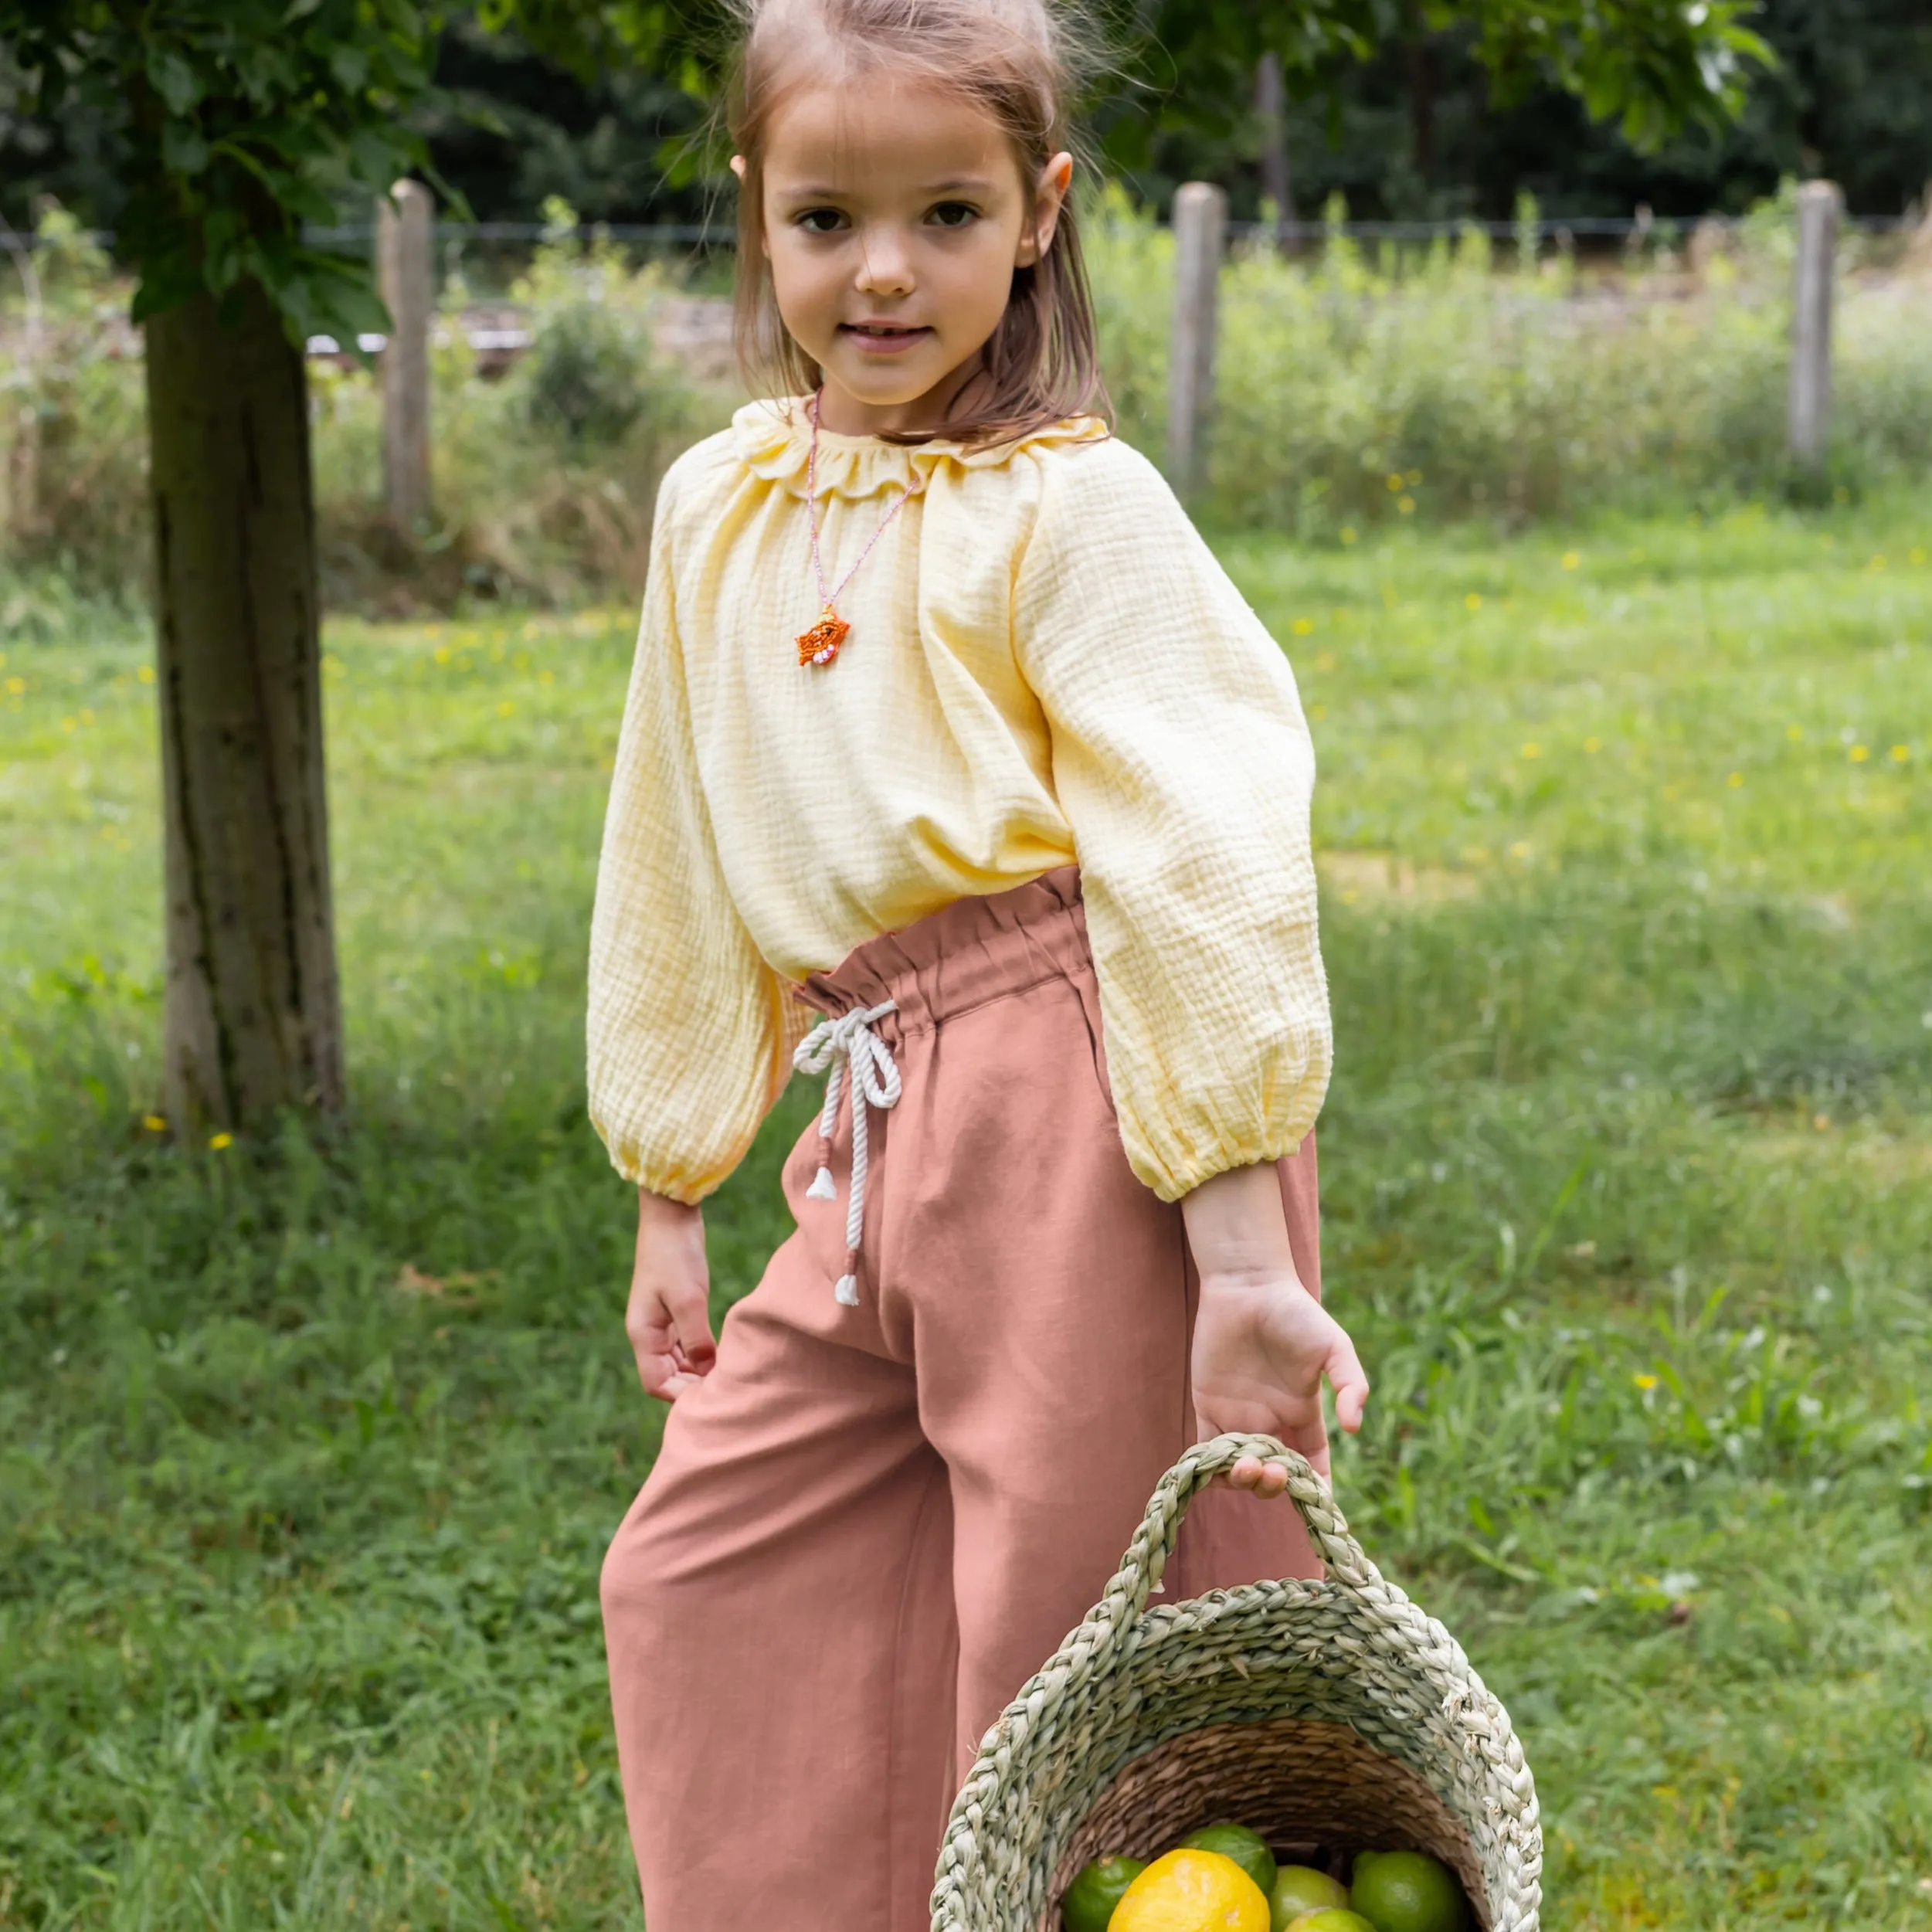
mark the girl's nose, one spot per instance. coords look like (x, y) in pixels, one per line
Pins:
(885, 263)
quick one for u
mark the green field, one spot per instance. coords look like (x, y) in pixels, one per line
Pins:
(308, 1450)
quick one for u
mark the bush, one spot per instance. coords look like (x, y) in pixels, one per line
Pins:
(543, 479)
(1356, 392)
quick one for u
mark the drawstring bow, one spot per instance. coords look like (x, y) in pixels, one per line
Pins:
(837, 1048)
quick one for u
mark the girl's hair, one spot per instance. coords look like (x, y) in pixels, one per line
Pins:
(1014, 59)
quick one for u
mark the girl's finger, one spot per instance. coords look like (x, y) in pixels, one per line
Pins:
(690, 1312)
(1350, 1383)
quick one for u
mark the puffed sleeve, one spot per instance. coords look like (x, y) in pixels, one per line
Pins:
(688, 1031)
(1183, 762)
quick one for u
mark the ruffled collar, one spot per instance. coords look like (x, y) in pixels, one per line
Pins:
(774, 440)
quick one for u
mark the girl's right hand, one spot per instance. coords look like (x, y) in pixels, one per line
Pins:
(669, 1317)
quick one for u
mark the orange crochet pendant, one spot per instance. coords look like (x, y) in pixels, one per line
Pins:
(820, 644)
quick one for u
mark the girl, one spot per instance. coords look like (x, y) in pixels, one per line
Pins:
(948, 734)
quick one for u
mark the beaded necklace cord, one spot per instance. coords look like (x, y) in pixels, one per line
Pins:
(819, 645)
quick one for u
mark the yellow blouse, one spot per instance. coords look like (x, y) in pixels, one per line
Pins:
(1046, 665)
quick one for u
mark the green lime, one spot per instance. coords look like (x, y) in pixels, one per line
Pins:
(1407, 1891)
(1090, 1900)
(1300, 1890)
(1249, 1849)
(1330, 1918)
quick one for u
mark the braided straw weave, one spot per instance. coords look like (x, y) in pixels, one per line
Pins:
(1330, 1716)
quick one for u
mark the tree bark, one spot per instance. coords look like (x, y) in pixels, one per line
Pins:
(1419, 59)
(1271, 110)
(252, 1018)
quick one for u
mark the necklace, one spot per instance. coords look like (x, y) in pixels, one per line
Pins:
(819, 645)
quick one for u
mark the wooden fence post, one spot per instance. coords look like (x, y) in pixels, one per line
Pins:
(1819, 204)
(405, 264)
(1271, 109)
(1201, 227)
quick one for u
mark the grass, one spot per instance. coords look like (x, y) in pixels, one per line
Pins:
(308, 1450)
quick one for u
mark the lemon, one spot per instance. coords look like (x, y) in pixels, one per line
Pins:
(1191, 1891)
(1330, 1918)
(1249, 1849)
(1299, 1889)
(1088, 1902)
(1407, 1891)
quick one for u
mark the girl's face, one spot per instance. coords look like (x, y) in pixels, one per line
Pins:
(894, 218)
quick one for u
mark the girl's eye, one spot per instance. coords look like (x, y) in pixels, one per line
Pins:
(953, 215)
(819, 221)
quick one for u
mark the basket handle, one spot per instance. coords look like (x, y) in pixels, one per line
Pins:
(1125, 1600)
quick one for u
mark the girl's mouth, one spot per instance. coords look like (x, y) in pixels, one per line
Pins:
(882, 338)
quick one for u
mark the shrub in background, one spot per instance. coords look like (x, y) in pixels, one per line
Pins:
(1432, 383)
(73, 438)
(543, 479)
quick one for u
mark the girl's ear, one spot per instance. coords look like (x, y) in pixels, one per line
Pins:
(1055, 179)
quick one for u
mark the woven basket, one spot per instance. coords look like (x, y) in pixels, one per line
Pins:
(1330, 1716)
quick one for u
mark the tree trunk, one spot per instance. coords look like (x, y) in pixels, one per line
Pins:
(253, 1022)
(1419, 58)
(1271, 109)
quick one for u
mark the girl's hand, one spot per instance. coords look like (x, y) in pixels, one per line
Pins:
(1261, 1346)
(1262, 1343)
(669, 1317)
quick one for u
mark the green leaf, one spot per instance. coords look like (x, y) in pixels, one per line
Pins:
(184, 150)
(350, 65)
(173, 79)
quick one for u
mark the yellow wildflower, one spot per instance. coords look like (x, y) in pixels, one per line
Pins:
(1646, 1382)
(1900, 753)
(1571, 558)
(1474, 600)
(1860, 753)
(154, 1123)
(1303, 625)
(216, 1143)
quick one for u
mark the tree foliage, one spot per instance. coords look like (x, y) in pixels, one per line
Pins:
(236, 122)
(1653, 65)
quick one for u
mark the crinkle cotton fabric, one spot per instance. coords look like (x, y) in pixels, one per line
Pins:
(1046, 666)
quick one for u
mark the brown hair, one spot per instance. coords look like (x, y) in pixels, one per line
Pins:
(1015, 59)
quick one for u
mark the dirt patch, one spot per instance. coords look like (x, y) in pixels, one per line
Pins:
(1883, 1161)
(1383, 876)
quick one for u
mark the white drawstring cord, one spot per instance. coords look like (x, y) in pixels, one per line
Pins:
(829, 1048)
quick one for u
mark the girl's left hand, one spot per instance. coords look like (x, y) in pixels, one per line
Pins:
(1261, 1346)
(1262, 1343)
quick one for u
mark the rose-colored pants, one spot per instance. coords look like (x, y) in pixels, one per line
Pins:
(871, 1525)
